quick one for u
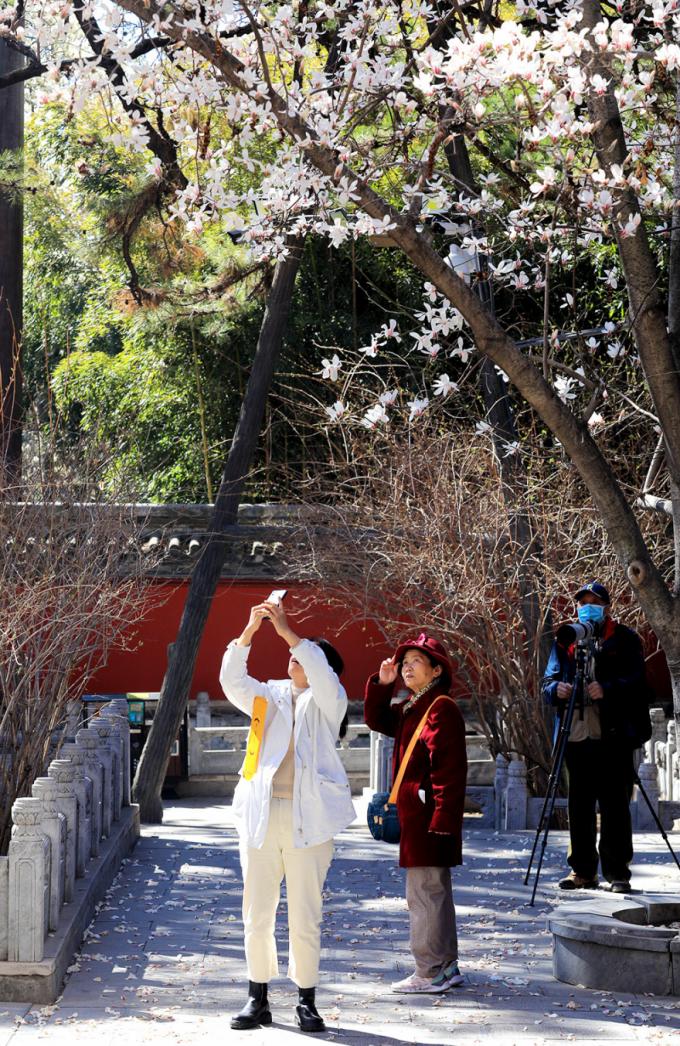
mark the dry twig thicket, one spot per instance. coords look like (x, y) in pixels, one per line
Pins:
(411, 530)
(71, 587)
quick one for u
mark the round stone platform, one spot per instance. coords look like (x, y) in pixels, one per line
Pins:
(618, 943)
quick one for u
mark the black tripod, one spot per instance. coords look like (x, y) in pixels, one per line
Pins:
(653, 812)
(584, 651)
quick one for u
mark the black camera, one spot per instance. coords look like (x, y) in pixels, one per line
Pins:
(576, 632)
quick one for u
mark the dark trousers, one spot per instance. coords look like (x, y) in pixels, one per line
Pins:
(600, 774)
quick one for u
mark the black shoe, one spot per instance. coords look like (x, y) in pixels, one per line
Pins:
(307, 1015)
(256, 1011)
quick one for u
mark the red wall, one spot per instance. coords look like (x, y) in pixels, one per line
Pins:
(142, 668)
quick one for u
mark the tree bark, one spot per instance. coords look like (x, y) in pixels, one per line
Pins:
(11, 276)
(174, 694)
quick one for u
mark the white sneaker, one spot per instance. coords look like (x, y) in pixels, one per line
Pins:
(413, 984)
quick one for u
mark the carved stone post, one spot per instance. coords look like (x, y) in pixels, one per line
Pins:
(29, 883)
(650, 782)
(63, 773)
(82, 784)
(516, 796)
(658, 718)
(89, 749)
(202, 708)
(117, 710)
(53, 825)
(500, 786)
(110, 749)
(384, 747)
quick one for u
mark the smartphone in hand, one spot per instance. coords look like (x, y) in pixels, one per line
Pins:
(277, 596)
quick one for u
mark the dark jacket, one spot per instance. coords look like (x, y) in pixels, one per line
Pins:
(620, 671)
(438, 767)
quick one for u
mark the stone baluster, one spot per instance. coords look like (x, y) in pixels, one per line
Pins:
(516, 796)
(63, 774)
(29, 883)
(202, 708)
(119, 708)
(670, 754)
(88, 745)
(658, 718)
(108, 741)
(675, 777)
(53, 825)
(85, 791)
(660, 763)
(650, 782)
(500, 787)
(384, 746)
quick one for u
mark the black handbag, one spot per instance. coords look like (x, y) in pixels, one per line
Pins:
(381, 814)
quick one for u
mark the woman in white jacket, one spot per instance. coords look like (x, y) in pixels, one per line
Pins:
(288, 811)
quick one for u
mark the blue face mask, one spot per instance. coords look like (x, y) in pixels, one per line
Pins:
(590, 613)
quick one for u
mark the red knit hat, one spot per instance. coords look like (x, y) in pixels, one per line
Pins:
(431, 647)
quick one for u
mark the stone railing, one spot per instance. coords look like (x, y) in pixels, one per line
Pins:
(216, 754)
(661, 750)
(479, 791)
(67, 840)
(497, 794)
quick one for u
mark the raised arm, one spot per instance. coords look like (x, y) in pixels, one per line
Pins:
(378, 713)
(240, 688)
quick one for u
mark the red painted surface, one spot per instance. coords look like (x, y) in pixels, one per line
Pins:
(361, 645)
(142, 668)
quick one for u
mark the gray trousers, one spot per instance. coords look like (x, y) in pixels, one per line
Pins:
(432, 919)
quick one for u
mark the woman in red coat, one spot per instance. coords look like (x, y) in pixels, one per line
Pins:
(430, 801)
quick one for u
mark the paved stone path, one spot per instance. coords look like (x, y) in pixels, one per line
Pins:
(163, 961)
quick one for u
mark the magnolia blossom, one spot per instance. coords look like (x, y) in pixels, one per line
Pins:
(375, 416)
(564, 387)
(482, 428)
(417, 407)
(443, 386)
(336, 411)
(595, 421)
(331, 368)
(631, 226)
(388, 397)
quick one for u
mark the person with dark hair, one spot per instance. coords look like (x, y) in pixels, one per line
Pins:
(292, 798)
(429, 803)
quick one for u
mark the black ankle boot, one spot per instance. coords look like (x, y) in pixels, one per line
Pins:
(307, 1014)
(256, 1011)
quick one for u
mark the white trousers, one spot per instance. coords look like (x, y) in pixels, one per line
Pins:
(305, 870)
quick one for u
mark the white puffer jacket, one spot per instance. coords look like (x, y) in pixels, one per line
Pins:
(322, 802)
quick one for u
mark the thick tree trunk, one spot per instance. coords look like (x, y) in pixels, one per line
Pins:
(11, 277)
(182, 657)
(662, 610)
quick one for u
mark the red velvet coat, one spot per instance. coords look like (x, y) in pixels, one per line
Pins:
(438, 766)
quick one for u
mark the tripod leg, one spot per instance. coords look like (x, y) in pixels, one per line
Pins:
(654, 815)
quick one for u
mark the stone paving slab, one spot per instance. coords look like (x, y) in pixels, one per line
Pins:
(163, 959)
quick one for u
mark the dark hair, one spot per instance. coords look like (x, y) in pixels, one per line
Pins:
(332, 655)
(338, 666)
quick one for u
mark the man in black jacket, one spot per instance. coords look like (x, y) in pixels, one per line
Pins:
(608, 725)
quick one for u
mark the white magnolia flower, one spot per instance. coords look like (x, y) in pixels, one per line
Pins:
(443, 386)
(417, 407)
(631, 226)
(331, 368)
(595, 421)
(482, 428)
(336, 411)
(511, 448)
(388, 397)
(375, 416)
(564, 387)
